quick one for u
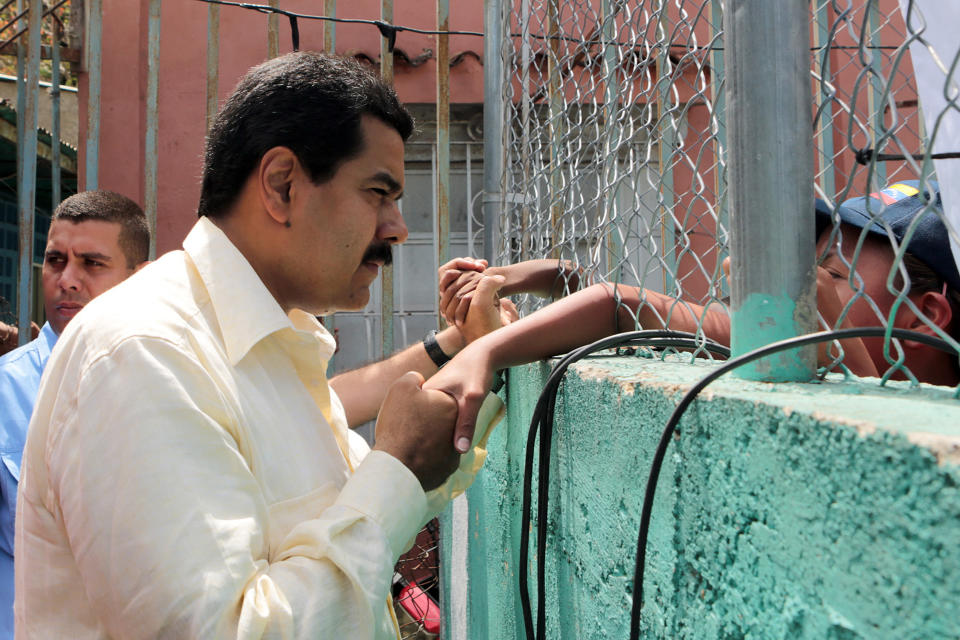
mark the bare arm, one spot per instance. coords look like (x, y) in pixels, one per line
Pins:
(581, 318)
(542, 278)
(362, 390)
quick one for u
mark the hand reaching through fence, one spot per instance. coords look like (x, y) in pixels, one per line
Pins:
(860, 283)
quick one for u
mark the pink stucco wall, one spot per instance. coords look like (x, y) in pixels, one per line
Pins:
(243, 43)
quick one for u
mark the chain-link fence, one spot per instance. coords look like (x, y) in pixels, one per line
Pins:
(616, 160)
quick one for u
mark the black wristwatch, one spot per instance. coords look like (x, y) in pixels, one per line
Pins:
(433, 349)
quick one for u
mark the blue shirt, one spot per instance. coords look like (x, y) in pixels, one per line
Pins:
(20, 372)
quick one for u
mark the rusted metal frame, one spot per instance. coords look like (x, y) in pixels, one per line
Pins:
(55, 119)
(27, 162)
(555, 126)
(329, 26)
(386, 278)
(273, 31)
(93, 47)
(19, 17)
(150, 153)
(213, 62)
(66, 54)
(443, 137)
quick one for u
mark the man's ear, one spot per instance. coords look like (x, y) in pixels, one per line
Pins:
(275, 175)
(141, 265)
(936, 310)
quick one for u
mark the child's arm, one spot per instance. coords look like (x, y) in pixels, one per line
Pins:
(581, 318)
(543, 278)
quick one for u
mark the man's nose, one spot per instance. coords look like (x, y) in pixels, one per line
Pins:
(71, 277)
(392, 228)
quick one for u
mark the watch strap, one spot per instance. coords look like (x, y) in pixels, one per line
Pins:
(433, 349)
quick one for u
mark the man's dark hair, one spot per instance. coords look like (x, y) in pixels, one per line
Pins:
(923, 279)
(308, 102)
(110, 206)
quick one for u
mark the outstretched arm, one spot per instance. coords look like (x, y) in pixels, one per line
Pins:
(362, 390)
(542, 278)
(586, 316)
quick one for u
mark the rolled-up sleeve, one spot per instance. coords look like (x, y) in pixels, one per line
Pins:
(169, 527)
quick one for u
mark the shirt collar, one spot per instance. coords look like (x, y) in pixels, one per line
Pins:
(245, 310)
(47, 338)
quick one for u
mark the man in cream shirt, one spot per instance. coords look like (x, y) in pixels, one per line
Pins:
(189, 470)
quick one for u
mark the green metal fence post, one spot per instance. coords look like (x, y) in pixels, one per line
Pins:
(769, 107)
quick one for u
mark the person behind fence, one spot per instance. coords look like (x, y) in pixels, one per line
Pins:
(844, 298)
(96, 240)
(189, 470)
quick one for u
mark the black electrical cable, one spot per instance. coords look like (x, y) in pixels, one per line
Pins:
(667, 435)
(543, 415)
(389, 31)
(864, 156)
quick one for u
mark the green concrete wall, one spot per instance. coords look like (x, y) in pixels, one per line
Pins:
(826, 510)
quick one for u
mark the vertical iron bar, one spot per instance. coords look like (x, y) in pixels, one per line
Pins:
(875, 95)
(152, 124)
(330, 47)
(771, 183)
(330, 27)
(21, 128)
(55, 117)
(668, 142)
(273, 31)
(213, 62)
(556, 127)
(719, 116)
(443, 136)
(526, 115)
(493, 126)
(21, 89)
(386, 281)
(94, 50)
(825, 128)
(27, 187)
(471, 247)
(610, 179)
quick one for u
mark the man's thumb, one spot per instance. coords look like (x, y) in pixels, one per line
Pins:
(466, 424)
(488, 287)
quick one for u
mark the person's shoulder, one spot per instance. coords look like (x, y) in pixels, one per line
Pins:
(23, 356)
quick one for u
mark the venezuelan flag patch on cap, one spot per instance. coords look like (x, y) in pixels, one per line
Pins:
(895, 193)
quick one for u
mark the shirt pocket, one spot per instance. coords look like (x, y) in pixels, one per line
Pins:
(287, 514)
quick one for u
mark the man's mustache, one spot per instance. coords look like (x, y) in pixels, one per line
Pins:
(379, 252)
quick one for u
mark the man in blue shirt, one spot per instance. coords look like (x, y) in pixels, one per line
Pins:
(96, 240)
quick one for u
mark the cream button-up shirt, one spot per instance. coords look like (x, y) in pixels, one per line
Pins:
(189, 472)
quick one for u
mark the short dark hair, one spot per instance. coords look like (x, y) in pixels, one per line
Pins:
(922, 279)
(310, 103)
(110, 206)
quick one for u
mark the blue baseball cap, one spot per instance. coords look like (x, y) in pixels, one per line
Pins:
(897, 205)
